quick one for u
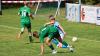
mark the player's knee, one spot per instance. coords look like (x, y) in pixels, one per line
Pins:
(22, 30)
(47, 42)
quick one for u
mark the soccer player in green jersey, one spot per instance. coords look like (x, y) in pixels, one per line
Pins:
(25, 15)
(47, 33)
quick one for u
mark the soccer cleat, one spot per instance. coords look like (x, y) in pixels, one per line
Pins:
(71, 49)
(54, 52)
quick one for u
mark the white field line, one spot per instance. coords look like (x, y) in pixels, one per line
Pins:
(89, 40)
(85, 39)
(9, 27)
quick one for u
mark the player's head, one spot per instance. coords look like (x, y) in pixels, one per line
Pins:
(25, 3)
(52, 19)
(35, 34)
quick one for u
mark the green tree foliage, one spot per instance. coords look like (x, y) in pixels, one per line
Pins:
(90, 2)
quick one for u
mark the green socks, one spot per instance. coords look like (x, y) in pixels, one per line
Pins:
(30, 39)
(51, 47)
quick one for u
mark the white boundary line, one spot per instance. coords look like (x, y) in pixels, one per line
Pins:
(9, 27)
(30, 1)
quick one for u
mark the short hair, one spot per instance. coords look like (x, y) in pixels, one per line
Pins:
(51, 17)
(35, 34)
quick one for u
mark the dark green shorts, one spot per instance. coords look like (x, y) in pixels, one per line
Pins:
(53, 35)
(26, 25)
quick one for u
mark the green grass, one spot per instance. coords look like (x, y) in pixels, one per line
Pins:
(88, 34)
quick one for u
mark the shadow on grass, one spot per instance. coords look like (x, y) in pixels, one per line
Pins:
(36, 42)
(63, 52)
(32, 42)
(57, 52)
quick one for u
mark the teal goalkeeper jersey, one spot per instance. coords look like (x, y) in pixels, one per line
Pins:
(24, 14)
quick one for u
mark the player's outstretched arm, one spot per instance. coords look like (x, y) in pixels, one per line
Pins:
(42, 49)
(47, 24)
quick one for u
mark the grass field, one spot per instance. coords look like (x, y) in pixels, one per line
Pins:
(88, 43)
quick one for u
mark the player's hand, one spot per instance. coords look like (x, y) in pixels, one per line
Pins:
(31, 16)
(60, 45)
(64, 33)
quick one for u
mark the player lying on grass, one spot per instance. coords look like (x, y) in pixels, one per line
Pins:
(25, 14)
(47, 33)
(60, 30)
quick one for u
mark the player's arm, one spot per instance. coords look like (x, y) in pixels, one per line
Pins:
(30, 14)
(42, 45)
(42, 48)
(19, 12)
(41, 38)
(47, 24)
(62, 29)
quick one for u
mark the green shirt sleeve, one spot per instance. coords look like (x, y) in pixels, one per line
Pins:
(29, 11)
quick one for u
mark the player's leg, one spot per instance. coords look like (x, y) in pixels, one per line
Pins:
(29, 32)
(55, 41)
(22, 30)
(48, 40)
(64, 44)
(58, 44)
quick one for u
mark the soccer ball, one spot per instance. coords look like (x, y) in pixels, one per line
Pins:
(74, 39)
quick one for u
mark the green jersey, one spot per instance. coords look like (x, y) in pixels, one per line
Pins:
(48, 31)
(24, 13)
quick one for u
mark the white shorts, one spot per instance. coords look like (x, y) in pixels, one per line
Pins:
(61, 35)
